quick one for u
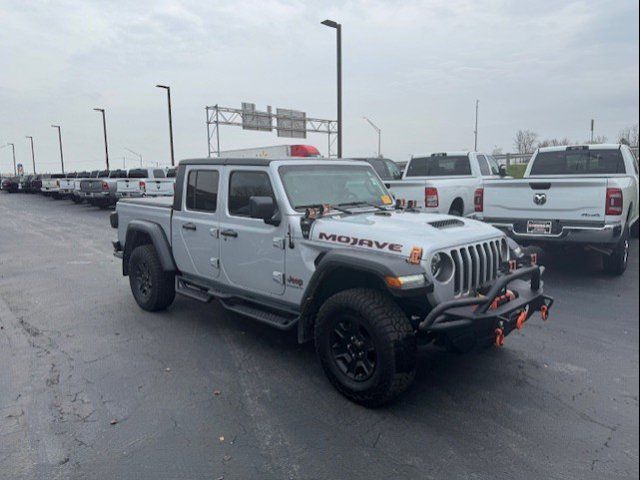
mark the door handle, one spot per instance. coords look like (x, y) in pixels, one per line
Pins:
(229, 233)
(189, 226)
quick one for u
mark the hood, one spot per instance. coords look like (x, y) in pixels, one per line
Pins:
(399, 231)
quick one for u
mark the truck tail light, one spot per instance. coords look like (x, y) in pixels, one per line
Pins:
(478, 200)
(615, 201)
(105, 187)
(143, 186)
(431, 197)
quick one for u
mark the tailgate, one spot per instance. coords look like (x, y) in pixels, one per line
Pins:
(573, 199)
(407, 190)
(129, 186)
(159, 187)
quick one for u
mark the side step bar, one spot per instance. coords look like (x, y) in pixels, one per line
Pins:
(191, 291)
(276, 320)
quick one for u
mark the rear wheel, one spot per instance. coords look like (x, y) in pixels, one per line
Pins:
(616, 263)
(634, 229)
(152, 287)
(366, 346)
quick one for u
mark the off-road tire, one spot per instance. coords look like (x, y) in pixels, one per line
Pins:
(616, 263)
(152, 287)
(390, 331)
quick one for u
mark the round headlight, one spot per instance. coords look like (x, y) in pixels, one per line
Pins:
(441, 267)
(436, 265)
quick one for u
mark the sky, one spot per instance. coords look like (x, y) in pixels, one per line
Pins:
(415, 68)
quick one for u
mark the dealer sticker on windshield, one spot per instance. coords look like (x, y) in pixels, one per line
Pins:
(386, 199)
(538, 227)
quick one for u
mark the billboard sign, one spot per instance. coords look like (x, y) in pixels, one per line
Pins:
(253, 119)
(291, 123)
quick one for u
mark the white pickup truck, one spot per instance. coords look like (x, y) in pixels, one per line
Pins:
(51, 185)
(65, 187)
(448, 182)
(571, 195)
(145, 182)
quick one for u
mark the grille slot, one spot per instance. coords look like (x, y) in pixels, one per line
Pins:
(475, 265)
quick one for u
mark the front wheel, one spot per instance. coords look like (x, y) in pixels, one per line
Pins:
(366, 345)
(616, 263)
(152, 287)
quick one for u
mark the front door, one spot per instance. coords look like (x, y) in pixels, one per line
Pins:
(252, 251)
(196, 241)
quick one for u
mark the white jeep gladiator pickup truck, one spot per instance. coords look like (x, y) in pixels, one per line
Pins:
(585, 195)
(317, 245)
(446, 182)
(145, 182)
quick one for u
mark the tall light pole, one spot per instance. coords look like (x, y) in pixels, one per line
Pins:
(475, 132)
(135, 153)
(592, 125)
(33, 155)
(104, 129)
(378, 130)
(60, 143)
(168, 89)
(338, 27)
(13, 147)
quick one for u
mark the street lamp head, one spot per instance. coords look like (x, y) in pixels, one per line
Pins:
(28, 136)
(163, 86)
(330, 23)
(55, 126)
(99, 109)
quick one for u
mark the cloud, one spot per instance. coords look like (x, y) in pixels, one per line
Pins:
(414, 67)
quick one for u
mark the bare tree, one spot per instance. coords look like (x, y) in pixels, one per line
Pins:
(554, 142)
(629, 135)
(525, 141)
(496, 150)
(597, 140)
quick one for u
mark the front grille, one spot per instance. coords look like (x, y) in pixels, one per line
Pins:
(475, 266)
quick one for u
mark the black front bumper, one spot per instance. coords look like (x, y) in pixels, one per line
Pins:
(509, 303)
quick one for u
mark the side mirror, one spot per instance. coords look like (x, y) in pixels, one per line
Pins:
(263, 208)
(502, 170)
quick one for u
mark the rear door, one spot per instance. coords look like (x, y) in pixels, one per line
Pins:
(195, 228)
(252, 252)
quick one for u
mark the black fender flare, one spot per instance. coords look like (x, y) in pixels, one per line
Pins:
(373, 264)
(158, 238)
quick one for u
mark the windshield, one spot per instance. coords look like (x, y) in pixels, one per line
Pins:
(578, 162)
(439, 166)
(386, 169)
(138, 173)
(313, 185)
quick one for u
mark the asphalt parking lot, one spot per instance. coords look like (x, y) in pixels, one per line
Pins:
(93, 387)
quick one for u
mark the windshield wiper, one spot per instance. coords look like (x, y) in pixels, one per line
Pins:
(320, 206)
(368, 204)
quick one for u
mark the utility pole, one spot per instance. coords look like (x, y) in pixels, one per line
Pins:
(379, 131)
(475, 132)
(592, 125)
(104, 129)
(60, 142)
(168, 89)
(33, 155)
(13, 147)
(338, 28)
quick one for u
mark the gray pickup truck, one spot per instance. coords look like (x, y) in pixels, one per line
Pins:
(102, 191)
(317, 245)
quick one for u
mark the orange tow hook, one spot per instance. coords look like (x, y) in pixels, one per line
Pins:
(521, 319)
(499, 337)
(544, 312)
